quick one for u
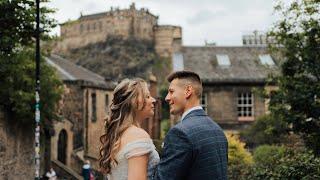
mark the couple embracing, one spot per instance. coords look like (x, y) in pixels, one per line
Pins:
(194, 149)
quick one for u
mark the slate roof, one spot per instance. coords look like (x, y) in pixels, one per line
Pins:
(69, 71)
(245, 64)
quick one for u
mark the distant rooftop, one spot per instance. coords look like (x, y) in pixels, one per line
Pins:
(68, 71)
(230, 64)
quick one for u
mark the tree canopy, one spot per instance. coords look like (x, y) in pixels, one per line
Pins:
(17, 62)
(297, 101)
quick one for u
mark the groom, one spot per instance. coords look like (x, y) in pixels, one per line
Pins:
(196, 148)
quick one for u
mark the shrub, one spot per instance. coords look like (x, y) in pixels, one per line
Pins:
(266, 130)
(239, 159)
(267, 155)
(278, 162)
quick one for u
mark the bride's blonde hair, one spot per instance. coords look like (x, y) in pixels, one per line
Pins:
(123, 109)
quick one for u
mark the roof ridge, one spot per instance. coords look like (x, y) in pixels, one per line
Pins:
(73, 64)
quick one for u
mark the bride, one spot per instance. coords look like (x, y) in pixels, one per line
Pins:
(127, 151)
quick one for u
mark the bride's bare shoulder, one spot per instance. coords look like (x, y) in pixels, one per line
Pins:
(134, 133)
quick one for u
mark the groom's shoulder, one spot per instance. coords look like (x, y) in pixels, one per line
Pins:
(193, 124)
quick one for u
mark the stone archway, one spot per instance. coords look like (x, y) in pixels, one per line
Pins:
(62, 142)
(62, 146)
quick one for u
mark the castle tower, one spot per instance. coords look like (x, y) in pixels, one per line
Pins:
(168, 39)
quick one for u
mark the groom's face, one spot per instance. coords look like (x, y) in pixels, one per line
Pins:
(176, 97)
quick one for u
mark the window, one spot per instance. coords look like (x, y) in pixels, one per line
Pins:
(266, 59)
(107, 103)
(94, 26)
(204, 101)
(81, 28)
(245, 106)
(223, 60)
(93, 107)
(177, 62)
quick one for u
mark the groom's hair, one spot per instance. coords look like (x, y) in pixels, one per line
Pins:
(189, 77)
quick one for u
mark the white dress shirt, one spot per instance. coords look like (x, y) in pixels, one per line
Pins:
(189, 110)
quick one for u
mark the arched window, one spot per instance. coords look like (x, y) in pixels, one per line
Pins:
(62, 146)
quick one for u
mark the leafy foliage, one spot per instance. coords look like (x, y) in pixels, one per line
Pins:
(265, 130)
(17, 19)
(17, 64)
(268, 155)
(297, 100)
(239, 159)
(272, 162)
(17, 87)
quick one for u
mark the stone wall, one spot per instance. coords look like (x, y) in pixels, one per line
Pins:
(16, 150)
(222, 104)
(72, 109)
(167, 40)
(95, 128)
(58, 127)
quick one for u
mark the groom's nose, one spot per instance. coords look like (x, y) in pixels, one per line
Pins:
(167, 99)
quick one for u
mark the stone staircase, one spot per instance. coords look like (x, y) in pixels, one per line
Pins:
(64, 172)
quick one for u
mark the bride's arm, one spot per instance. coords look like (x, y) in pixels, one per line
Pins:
(137, 157)
(137, 167)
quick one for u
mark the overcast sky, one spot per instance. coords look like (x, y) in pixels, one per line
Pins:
(223, 22)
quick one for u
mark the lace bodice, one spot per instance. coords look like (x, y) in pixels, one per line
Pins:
(134, 148)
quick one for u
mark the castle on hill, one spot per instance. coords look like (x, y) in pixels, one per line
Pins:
(141, 24)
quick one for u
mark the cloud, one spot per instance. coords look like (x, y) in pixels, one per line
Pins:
(205, 16)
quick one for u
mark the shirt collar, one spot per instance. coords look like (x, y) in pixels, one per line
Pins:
(189, 110)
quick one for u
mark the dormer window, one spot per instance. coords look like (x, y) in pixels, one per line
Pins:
(266, 59)
(223, 60)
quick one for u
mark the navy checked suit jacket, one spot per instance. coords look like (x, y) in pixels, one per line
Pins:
(195, 149)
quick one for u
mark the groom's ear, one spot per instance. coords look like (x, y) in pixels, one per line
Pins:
(188, 91)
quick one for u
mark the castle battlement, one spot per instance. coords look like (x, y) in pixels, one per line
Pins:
(131, 22)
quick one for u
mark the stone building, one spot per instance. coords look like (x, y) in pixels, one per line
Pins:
(141, 24)
(230, 76)
(83, 108)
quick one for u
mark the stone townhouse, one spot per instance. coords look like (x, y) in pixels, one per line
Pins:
(230, 77)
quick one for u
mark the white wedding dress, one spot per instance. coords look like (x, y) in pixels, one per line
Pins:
(134, 148)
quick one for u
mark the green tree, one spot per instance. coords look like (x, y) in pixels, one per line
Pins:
(17, 19)
(298, 40)
(17, 96)
(17, 63)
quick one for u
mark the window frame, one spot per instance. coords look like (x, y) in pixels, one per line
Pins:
(246, 112)
(93, 107)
